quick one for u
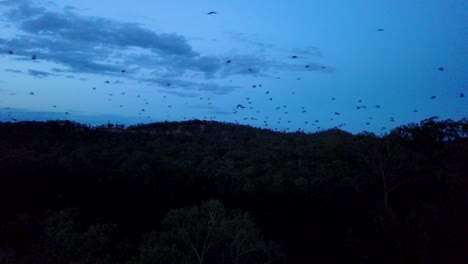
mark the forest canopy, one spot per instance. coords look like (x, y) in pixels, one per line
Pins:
(211, 192)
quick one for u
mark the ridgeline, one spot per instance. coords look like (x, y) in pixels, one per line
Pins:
(205, 191)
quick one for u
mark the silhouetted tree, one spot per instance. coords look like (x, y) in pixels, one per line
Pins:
(208, 234)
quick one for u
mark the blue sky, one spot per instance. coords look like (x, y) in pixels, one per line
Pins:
(175, 61)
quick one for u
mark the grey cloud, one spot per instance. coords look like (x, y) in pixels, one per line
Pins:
(70, 26)
(206, 64)
(294, 66)
(262, 66)
(69, 8)
(14, 71)
(79, 57)
(182, 94)
(201, 107)
(212, 109)
(216, 88)
(80, 64)
(83, 44)
(247, 64)
(190, 85)
(57, 70)
(239, 36)
(12, 2)
(307, 51)
(300, 67)
(176, 66)
(221, 112)
(40, 74)
(31, 114)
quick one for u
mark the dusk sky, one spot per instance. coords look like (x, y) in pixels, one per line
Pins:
(284, 65)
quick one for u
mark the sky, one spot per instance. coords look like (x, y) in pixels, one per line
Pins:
(282, 65)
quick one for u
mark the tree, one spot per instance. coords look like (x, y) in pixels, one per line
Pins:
(385, 158)
(207, 234)
(66, 239)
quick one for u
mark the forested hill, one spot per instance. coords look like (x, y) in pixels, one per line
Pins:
(207, 192)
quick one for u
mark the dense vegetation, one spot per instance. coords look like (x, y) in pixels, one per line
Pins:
(209, 192)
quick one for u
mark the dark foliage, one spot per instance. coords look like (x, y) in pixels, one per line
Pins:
(71, 193)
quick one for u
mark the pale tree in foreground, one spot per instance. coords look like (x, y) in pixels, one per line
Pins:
(208, 234)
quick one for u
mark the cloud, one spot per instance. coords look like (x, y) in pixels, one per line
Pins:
(84, 118)
(69, 8)
(247, 64)
(96, 45)
(242, 37)
(40, 74)
(203, 107)
(88, 44)
(14, 71)
(192, 85)
(182, 94)
(307, 51)
(57, 70)
(211, 109)
(70, 26)
(221, 112)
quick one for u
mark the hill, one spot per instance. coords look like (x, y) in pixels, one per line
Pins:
(325, 197)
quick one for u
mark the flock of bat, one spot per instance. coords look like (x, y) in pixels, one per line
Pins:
(247, 105)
